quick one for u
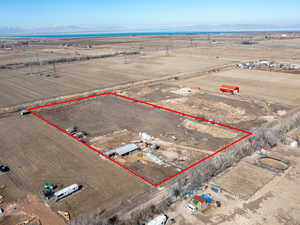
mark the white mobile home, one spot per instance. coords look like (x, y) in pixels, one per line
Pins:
(159, 220)
(66, 191)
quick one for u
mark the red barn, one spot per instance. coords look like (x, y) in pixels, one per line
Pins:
(231, 89)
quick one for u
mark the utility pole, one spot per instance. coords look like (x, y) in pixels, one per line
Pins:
(38, 62)
(54, 67)
(191, 40)
(209, 40)
(32, 59)
(167, 51)
(125, 58)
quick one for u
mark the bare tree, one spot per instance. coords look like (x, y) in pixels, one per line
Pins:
(113, 220)
(176, 192)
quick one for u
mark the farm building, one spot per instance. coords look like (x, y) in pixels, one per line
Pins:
(230, 89)
(124, 150)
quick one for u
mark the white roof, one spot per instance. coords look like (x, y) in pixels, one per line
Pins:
(69, 188)
(161, 219)
(126, 149)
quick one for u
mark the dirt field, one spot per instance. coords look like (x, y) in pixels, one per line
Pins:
(107, 114)
(270, 86)
(28, 49)
(160, 56)
(252, 195)
(31, 209)
(19, 86)
(238, 111)
(246, 180)
(281, 44)
(244, 53)
(38, 153)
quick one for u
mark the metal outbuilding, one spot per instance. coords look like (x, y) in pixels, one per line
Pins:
(126, 149)
(231, 89)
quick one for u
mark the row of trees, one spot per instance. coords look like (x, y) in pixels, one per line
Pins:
(64, 60)
(140, 217)
(269, 135)
(266, 136)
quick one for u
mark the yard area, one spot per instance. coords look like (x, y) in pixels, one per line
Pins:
(55, 158)
(180, 138)
(273, 87)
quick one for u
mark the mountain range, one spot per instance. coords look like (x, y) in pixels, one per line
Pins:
(13, 30)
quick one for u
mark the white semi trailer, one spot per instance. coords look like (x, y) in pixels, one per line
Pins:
(66, 191)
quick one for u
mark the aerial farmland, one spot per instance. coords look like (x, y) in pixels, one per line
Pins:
(143, 124)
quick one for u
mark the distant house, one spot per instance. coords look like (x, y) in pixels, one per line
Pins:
(124, 150)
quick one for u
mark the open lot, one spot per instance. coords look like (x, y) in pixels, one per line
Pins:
(281, 44)
(20, 86)
(238, 52)
(273, 87)
(234, 110)
(252, 195)
(37, 153)
(176, 134)
(246, 179)
(159, 57)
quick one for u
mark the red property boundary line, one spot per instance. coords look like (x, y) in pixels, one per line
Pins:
(247, 133)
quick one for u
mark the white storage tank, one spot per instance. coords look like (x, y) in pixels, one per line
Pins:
(66, 191)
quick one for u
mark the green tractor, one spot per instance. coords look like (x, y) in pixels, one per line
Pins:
(49, 186)
(47, 194)
(48, 190)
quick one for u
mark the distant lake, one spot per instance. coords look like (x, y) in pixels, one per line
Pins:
(78, 35)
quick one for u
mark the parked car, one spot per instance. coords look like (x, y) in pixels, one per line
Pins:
(24, 112)
(191, 207)
(4, 168)
(71, 130)
(79, 134)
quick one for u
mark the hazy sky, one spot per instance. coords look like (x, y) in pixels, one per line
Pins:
(36, 13)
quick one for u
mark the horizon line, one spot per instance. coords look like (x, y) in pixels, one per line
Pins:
(139, 33)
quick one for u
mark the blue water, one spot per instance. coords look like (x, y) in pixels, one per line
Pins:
(77, 35)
